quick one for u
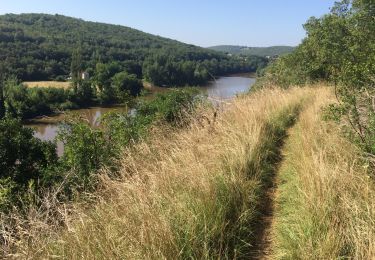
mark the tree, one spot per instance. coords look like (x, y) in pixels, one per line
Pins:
(339, 48)
(15, 97)
(2, 100)
(127, 83)
(85, 149)
(107, 93)
(76, 67)
(43, 51)
(22, 156)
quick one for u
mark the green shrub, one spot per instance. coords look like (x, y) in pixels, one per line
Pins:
(22, 156)
(171, 106)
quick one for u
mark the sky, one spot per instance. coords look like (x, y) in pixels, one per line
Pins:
(201, 22)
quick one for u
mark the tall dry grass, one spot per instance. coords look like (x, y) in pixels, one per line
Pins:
(326, 196)
(194, 193)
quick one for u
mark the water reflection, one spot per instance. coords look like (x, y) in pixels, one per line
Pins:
(228, 87)
(222, 88)
(47, 128)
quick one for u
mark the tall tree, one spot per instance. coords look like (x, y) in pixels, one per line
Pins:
(2, 105)
(76, 67)
(2, 100)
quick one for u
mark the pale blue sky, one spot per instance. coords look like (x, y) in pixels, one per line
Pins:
(200, 22)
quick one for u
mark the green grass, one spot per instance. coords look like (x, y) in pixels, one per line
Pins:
(194, 193)
(325, 202)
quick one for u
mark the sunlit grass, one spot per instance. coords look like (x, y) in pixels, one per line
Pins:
(197, 192)
(326, 198)
(47, 84)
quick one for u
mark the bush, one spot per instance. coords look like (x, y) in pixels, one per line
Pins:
(85, 149)
(171, 106)
(22, 156)
(127, 83)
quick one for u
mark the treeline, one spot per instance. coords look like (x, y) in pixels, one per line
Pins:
(340, 49)
(166, 69)
(110, 84)
(31, 166)
(254, 51)
(41, 47)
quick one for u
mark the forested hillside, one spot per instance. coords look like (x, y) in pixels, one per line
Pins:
(257, 51)
(40, 47)
(285, 171)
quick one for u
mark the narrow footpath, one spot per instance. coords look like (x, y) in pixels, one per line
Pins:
(262, 248)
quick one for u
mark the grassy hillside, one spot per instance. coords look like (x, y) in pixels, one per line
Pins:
(257, 51)
(325, 200)
(202, 191)
(283, 172)
(40, 47)
(188, 193)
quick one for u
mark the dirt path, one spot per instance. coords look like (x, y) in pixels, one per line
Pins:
(262, 248)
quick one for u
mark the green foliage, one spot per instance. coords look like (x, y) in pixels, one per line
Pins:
(172, 106)
(15, 98)
(22, 102)
(76, 67)
(84, 95)
(39, 47)
(121, 130)
(54, 47)
(22, 156)
(127, 83)
(257, 51)
(167, 68)
(114, 84)
(2, 101)
(85, 149)
(112, 87)
(7, 193)
(284, 73)
(340, 49)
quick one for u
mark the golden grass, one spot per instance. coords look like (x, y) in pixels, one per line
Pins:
(326, 198)
(194, 193)
(47, 84)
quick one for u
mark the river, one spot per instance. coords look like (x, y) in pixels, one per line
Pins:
(222, 88)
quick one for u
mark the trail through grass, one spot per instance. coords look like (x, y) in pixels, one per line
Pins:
(325, 200)
(206, 192)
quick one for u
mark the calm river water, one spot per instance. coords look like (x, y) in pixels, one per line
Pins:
(222, 88)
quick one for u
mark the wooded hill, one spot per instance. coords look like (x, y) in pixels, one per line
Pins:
(258, 51)
(40, 46)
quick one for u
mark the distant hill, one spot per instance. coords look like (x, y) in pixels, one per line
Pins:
(258, 51)
(40, 47)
